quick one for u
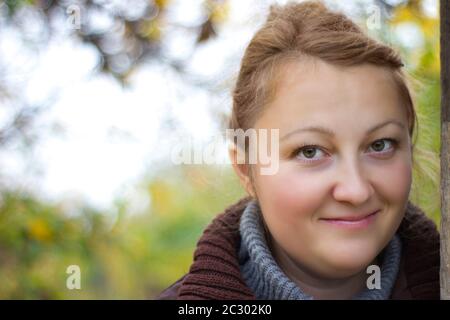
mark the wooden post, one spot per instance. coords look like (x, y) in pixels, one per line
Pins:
(445, 149)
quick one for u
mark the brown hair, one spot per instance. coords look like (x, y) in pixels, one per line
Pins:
(306, 29)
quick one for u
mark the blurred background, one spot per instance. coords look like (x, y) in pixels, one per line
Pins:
(94, 97)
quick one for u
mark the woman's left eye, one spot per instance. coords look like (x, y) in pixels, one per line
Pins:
(379, 145)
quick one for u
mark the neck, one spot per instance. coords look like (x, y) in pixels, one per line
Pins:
(316, 286)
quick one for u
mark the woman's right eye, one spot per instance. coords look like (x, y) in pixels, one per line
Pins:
(308, 153)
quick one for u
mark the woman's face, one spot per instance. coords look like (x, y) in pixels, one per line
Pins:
(316, 205)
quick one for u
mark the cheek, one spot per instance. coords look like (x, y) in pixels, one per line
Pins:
(394, 182)
(289, 193)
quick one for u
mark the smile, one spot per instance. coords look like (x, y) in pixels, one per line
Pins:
(352, 222)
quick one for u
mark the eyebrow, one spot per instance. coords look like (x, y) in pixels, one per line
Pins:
(330, 132)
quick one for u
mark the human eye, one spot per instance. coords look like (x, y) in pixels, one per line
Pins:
(311, 153)
(308, 153)
(384, 145)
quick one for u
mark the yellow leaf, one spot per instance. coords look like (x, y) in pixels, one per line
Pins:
(39, 230)
(219, 12)
(161, 3)
(161, 197)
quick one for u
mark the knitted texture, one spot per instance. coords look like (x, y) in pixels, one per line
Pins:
(263, 275)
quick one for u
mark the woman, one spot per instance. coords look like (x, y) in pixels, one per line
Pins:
(334, 220)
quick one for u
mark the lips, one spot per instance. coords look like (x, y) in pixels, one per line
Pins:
(352, 221)
(352, 217)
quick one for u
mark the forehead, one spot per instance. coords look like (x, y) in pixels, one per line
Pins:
(315, 92)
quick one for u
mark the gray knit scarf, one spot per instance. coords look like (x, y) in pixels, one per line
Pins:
(263, 275)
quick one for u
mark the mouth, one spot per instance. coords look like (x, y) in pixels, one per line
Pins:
(355, 221)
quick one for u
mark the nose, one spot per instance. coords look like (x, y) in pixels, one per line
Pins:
(352, 185)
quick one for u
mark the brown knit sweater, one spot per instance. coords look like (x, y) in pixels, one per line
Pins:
(215, 272)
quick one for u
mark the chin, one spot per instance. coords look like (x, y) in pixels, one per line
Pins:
(347, 262)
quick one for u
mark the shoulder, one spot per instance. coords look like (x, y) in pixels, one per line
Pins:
(171, 292)
(214, 272)
(420, 266)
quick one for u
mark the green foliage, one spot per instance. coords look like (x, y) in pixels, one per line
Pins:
(135, 257)
(423, 66)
